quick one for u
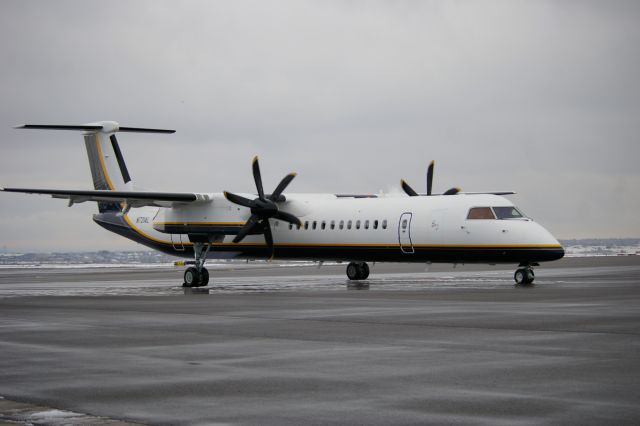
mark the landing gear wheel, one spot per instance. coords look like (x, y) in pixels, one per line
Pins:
(357, 270)
(197, 276)
(530, 276)
(192, 277)
(352, 271)
(524, 276)
(204, 277)
(363, 270)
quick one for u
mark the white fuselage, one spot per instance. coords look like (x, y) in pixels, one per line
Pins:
(384, 228)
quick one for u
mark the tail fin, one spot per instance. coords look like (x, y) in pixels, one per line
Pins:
(108, 169)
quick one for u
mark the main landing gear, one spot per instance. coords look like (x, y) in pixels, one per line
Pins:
(524, 274)
(197, 275)
(357, 270)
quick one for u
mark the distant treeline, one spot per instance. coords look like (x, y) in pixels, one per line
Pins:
(99, 257)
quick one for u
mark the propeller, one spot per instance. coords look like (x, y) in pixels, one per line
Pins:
(263, 208)
(412, 193)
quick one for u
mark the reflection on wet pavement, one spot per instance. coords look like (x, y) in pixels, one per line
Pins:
(257, 284)
(168, 283)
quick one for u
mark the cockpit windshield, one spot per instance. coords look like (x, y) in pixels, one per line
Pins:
(481, 213)
(494, 213)
(507, 213)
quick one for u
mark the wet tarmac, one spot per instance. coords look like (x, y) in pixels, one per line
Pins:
(273, 345)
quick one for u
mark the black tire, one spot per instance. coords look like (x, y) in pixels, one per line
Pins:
(204, 277)
(520, 276)
(353, 271)
(191, 277)
(529, 276)
(363, 271)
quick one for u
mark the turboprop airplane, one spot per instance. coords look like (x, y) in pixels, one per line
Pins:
(452, 227)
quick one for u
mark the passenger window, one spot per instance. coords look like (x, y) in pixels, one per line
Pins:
(357, 224)
(298, 226)
(342, 224)
(333, 224)
(366, 224)
(375, 224)
(323, 225)
(306, 224)
(314, 225)
(290, 226)
(480, 213)
(507, 213)
(349, 225)
(384, 224)
(404, 223)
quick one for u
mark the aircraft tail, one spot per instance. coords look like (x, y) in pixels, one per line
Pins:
(108, 168)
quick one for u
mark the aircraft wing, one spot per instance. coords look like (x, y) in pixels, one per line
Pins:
(426, 195)
(488, 192)
(130, 198)
(478, 193)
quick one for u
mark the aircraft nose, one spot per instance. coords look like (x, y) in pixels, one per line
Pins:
(557, 253)
(553, 249)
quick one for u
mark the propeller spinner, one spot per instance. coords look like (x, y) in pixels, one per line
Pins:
(263, 208)
(412, 193)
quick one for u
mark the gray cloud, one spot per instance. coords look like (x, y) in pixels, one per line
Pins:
(538, 97)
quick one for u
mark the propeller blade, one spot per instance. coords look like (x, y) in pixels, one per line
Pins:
(452, 191)
(282, 186)
(248, 228)
(268, 237)
(409, 190)
(430, 177)
(288, 217)
(237, 199)
(258, 177)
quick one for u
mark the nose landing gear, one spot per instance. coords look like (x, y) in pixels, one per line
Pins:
(524, 275)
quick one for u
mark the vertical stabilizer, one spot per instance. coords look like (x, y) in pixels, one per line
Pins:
(108, 168)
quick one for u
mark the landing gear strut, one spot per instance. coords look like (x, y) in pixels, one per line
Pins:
(197, 275)
(524, 275)
(357, 271)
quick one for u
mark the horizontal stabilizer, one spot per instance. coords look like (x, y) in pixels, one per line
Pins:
(57, 127)
(93, 127)
(132, 198)
(143, 130)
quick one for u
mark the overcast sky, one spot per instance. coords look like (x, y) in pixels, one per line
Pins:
(539, 97)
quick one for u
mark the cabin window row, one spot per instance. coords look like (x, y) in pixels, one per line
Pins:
(342, 224)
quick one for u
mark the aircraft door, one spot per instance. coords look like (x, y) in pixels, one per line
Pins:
(404, 233)
(176, 240)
